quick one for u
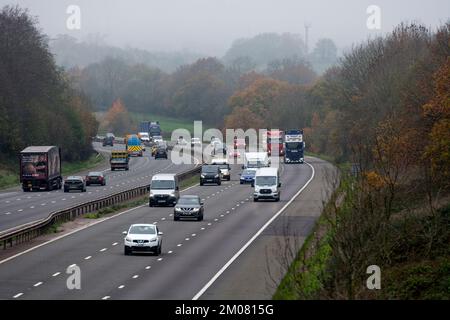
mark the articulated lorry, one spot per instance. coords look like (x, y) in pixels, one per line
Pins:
(40, 168)
(275, 142)
(151, 127)
(119, 160)
(294, 146)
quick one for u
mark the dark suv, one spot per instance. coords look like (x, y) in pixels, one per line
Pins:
(210, 174)
(74, 183)
(161, 152)
(188, 207)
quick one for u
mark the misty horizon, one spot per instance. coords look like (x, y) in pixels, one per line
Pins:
(206, 28)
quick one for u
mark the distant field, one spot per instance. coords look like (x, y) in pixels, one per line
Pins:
(168, 124)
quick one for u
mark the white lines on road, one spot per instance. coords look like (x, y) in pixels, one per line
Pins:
(20, 210)
(148, 267)
(53, 201)
(193, 234)
(170, 251)
(121, 287)
(135, 276)
(228, 211)
(106, 297)
(88, 257)
(179, 245)
(43, 204)
(216, 219)
(18, 295)
(233, 208)
(187, 239)
(56, 274)
(7, 213)
(221, 215)
(209, 223)
(63, 199)
(163, 219)
(160, 259)
(255, 236)
(104, 249)
(115, 243)
(37, 284)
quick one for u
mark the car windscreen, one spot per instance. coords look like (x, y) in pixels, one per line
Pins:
(188, 201)
(209, 169)
(249, 173)
(265, 180)
(142, 230)
(162, 184)
(224, 166)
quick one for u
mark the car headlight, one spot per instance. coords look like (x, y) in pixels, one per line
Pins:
(195, 209)
(216, 176)
(153, 240)
(151, 195)
(172, 194)
(202, 176)
(128, 239)
(177, 209)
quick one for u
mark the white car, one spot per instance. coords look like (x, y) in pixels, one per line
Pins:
(195, 141)
(143, 238)
(181, 141)
(158, 139)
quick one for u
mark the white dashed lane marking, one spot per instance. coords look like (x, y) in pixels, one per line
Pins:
(18, 295)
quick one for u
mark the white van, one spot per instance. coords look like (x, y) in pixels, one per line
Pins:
(164, 190)
(267, 184)
(256, 160)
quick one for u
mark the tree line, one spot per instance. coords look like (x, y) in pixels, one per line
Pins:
(38, 106)
(383, 114)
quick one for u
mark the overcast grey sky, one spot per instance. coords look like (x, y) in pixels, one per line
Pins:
(210, 26)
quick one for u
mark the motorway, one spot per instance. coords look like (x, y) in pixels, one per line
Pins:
(18, 208)
(193, 252)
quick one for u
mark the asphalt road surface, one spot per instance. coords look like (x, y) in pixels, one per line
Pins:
(193, 252)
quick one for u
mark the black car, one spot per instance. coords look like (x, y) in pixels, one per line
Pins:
(108, 140)
(95, 178)
(74, 183)
(188, 207)
(210, 174)
(161, 152)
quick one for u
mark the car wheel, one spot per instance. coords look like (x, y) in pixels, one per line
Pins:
(65, 190)
(176, 218)
(200, 218)
(126, 251)
(241, 182)
(201, 183)
(150, 204)
(255, 199)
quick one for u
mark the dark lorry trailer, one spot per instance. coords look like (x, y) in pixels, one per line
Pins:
(40, 168)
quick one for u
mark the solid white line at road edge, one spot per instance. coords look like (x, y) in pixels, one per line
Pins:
(237, 254)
